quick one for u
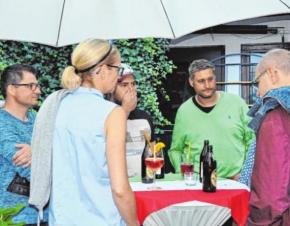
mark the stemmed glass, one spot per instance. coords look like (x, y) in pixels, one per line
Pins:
(154, 161)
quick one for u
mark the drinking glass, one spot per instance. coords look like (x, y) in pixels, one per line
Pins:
(186, 164)
(154, 162)
(190, 178)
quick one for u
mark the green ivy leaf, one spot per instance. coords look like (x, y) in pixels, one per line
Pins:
(146, 56)
(7, 213)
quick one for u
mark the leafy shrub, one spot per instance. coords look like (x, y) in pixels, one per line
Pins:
(49, 61)
(146, 56)
(151, 66)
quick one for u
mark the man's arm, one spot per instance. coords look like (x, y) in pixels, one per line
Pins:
(247, 169)
(23, 155)
(19, 154)
(129, 101)
(177, 143)
(271, 175)
(249, 134)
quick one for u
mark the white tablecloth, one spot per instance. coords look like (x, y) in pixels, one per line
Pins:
(180, 185)
(189, 213)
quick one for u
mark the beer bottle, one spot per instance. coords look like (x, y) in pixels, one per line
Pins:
(209, 172)
(201, 158)
(146, 174)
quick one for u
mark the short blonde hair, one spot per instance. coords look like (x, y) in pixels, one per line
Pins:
(86, 57)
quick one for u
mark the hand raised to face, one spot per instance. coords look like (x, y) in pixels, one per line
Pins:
(129, 101)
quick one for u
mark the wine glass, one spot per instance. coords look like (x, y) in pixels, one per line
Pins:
(154, 161)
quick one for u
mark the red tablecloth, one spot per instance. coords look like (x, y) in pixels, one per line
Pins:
(237, 200)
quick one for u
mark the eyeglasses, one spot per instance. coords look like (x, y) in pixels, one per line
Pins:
(255, 82)
(120, 70)
(126, 84)
(32, 86)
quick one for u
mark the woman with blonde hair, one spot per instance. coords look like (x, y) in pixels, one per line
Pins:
(89, 183)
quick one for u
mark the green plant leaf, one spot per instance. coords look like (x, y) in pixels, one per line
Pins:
(146, 56)
(7, 213)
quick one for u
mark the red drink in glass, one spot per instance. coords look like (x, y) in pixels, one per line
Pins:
(186, 167)
(154, 163)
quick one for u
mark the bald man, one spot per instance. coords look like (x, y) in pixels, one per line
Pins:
(270, 183)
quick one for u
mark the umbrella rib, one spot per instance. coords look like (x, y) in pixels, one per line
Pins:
(170, 25)
(60, 23)
(285, 4)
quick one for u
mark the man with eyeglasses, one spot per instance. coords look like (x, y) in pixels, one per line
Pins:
(211, 115)
(125, 94)
(270, 180)
(21, 91)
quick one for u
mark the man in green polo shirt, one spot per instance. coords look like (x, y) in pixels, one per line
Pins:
(211, 115)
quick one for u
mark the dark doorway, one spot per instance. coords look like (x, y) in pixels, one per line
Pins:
(177, 85)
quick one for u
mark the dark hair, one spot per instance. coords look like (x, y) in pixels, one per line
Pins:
(13, 74)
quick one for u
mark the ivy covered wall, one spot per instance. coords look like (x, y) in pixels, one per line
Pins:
(146, 56)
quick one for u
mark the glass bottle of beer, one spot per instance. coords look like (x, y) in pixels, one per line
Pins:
(146, 174)
(209, 172)
(202, 157)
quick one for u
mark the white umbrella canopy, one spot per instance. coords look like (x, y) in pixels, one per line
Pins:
(65, 22)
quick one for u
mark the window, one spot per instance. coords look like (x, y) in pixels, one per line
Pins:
(251, 57)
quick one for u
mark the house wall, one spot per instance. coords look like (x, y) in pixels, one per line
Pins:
(233, 43)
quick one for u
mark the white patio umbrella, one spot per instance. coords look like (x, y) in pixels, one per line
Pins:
(64, 22)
